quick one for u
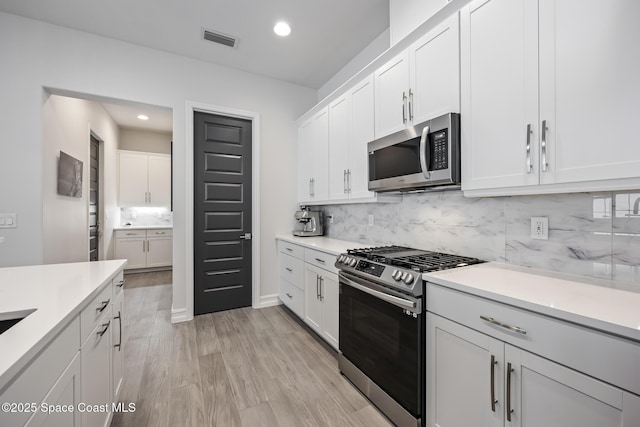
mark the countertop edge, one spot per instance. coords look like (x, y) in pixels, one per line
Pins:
(319, 243)
(600, 325)
(12, 372)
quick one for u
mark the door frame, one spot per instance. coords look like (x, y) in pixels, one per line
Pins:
(102, 252)
(254, 117)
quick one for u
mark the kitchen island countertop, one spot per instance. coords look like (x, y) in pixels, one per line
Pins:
(57, 292)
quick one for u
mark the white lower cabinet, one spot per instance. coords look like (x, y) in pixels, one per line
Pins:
(65, 393)
(308, 286)
(96, 371)
(145, 248)
(321, 302)
(481, 379)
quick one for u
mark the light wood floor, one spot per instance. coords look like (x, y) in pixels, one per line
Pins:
(241, 367)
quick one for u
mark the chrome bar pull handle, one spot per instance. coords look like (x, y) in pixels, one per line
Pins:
(288, 269)
(493, 383)
(511, 328)
(104, 330)
(348, 180)
(289, 295)
(529, 164)
(317, 287)
(344, 181)
(321, 288)
(410, 104)
(509, 410)
(404, 107)
(543, 145)
(103, 306)
(119, 345)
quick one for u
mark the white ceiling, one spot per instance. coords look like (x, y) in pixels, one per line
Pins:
(126, 116)
(325, 34)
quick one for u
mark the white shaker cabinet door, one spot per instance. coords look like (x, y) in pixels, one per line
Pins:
(159, 180)
(589, 89)
(459, 384)
(133, 250)
(544, 393)
(159, 251)
(339, 148)
(392, 96)
(435, 71)
(312, 303)
(133, 179)
(96, 371)
(362, 132)
(330, 291)
(499, 86)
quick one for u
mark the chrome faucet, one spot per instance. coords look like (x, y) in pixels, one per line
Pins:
(636, 206)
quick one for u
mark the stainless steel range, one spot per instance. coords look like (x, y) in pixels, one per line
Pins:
(382, 342)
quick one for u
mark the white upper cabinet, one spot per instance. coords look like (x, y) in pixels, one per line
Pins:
(339, 139)
(420, 83)
(313, 146)
(589, 89)
(144, 179)
(549, 95)
(351, 122)
(392, 95)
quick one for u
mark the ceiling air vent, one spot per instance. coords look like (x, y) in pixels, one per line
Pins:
(219, 38)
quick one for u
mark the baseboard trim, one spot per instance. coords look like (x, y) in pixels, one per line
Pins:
(180, 315)
(268, 301)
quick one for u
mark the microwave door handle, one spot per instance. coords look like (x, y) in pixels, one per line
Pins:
(425, 153)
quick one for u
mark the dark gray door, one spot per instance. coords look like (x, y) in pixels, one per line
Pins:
(94, 196)
(222, 213)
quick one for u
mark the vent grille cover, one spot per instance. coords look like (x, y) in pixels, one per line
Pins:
(222, 39)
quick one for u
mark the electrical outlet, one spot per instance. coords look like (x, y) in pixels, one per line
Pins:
(540, 227)
(8, 221)
(370, 220)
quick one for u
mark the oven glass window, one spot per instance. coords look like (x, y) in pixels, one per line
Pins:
(384, 343)
(396, 160)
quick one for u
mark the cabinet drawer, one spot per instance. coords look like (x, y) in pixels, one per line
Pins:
(321, 259)
(131, 233)
(37, 378)
(603, 356)
(160, 233)
(94, 311)
(118, 284)
(290, 249)
(291, 296)
(291, 269)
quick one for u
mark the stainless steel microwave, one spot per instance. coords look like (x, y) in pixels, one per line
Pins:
(424, 155)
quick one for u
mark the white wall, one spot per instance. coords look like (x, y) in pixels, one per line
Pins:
(145, 140)
(407, 15)
(37, 55)
(67, 123)
(361, 60)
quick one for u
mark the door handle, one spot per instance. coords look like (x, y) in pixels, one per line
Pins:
(494, 362)
(529, 132)
(119, 345)
(344, 181)
(410, 104)
(246, 236)
(424, 150)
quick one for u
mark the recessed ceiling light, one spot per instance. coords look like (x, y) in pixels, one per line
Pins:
(282, 29)
(143, 117)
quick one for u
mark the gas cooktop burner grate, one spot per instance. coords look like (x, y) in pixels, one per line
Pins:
(413, 259)
(433, 261)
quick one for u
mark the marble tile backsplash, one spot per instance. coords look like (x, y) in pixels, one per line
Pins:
(146, 216)
(590, 234)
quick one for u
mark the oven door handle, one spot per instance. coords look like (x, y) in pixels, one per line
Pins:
(400, 302)
(424, 150)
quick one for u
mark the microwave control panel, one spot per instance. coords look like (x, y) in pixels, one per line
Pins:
(440, 150)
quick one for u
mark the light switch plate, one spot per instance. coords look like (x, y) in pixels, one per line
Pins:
(8, 221)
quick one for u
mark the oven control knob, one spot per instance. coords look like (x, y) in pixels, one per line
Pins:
(341, 259)
(408, 279)
(353, 262)
(397, 275)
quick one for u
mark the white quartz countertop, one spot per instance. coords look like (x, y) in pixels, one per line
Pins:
(143, 227)
(565, 297)
(57, 292)
(321, 243)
